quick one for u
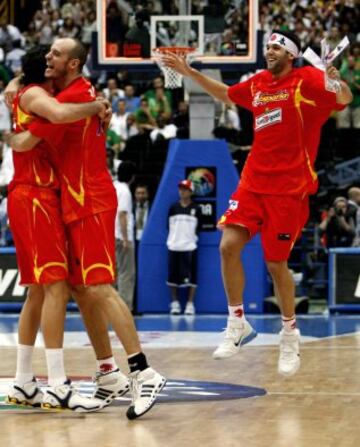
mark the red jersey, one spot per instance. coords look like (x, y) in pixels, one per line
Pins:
(86, 185)
(31, 167)
(288, 115)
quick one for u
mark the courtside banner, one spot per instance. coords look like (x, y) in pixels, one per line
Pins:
(10, 289)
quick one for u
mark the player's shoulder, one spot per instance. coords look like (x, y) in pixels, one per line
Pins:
(33, 90)
(308, 72)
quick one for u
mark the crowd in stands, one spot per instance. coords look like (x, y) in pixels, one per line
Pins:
(145, 114)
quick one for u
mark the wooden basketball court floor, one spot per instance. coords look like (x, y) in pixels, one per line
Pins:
(204, 403)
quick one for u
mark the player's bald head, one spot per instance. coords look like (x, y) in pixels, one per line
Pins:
(74, 49)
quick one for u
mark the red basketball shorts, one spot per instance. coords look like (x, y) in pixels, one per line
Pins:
(38, 232)
(92, 249)
(278, 218)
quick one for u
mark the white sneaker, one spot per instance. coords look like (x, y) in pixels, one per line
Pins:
(145, 386)
(110, 385)
(65, 397)
(289, 360)
(28, 394)
(189, 309)
(235, 336)
(175, 308)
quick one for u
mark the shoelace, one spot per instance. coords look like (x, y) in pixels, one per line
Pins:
(287, 350)
(134, 388)
(231, 333)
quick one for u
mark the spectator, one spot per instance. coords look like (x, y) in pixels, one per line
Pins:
(113, 142)
(184, 219)
(181, 120)
(8, 35)
(164, 130)
(337, 227)
(69, 28)
(132, 101)
(350, 72)
(141, 210)
(13, 57)
(118, 121)
(113, 93)
(144, 119)
(138, 36)
(124, 233)
(88, 28)
(151, 96)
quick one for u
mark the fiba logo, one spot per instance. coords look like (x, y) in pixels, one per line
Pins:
(204, 181)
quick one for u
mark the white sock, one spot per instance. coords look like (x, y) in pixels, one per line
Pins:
(106, 365)
(236, 313)
(289, 324)
(24, 371)
(55, 366)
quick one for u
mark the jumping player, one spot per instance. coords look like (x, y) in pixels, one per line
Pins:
(88, 207)
(289, 106)
(37, 228)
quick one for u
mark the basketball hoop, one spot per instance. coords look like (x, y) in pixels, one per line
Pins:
(173, 79)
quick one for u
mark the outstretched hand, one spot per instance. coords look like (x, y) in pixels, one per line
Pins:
(178, 63)
(333, 73)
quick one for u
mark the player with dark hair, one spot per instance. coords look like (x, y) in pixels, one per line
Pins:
(289, 106)
(40, 240)
(89, 205)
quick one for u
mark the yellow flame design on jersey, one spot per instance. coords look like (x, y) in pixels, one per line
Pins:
(38, 270)
(79, 197)
(98, 265)
(38, 179)
(298, 99)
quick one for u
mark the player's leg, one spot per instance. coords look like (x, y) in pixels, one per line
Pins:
(20, 212)
(238, 330)
(148, 383)
(278, 235)
(24, 390)
(60, 394)
(93, 243)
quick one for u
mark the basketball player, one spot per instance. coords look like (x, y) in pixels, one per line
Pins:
(289, 106)
(88, 207)
(37, 228)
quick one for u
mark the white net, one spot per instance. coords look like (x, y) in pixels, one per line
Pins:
(172, 78)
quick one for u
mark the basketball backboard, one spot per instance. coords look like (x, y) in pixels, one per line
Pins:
(221, 35)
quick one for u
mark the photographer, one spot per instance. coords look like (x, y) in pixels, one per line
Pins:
(338, 227)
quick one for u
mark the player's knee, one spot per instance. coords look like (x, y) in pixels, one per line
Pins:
(229, 248)
(276, 268)
(35, 294)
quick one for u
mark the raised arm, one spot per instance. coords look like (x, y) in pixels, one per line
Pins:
(344, 95)
(38, 101)
(215, 88)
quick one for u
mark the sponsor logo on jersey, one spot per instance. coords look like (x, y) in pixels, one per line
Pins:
(261, 98)
(268, 118)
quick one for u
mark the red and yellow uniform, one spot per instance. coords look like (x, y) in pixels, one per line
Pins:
(34, 211)
(88, 197)
(272, 196)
